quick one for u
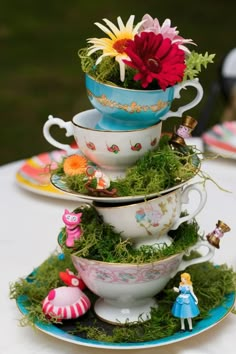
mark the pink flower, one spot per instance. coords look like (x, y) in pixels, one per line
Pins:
(155, 58)
(153, 25)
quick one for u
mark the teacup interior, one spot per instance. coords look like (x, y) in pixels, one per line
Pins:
(87, 119)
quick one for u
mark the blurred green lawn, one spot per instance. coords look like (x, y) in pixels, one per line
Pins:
(40, 72)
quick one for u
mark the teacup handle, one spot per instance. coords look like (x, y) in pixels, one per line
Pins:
(185, 200)
(68, 126)
(210, 253)
(195, 83)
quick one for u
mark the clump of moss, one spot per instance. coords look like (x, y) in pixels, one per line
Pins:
(156, 171)
(99, 241)
(108, 71)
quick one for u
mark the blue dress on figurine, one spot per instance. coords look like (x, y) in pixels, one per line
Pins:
(185, 305)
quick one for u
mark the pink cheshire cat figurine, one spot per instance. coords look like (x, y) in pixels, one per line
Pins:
(67, 302)
(73, 229)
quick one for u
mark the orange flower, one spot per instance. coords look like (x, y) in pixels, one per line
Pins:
(75, 165)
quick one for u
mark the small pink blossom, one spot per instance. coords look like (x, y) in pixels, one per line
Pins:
(153, 25)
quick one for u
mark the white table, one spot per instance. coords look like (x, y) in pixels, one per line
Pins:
(29, 228)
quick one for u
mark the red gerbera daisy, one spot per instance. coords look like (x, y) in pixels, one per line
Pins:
(155, 58)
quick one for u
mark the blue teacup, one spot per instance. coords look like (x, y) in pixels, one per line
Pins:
(127, 109)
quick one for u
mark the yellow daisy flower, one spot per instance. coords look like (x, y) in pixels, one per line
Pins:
(115, 45)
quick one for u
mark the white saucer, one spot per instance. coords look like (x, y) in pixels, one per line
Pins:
(58, 183)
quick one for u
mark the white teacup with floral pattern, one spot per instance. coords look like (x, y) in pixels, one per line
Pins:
(148, 222)
(126, 291)
(112, 151)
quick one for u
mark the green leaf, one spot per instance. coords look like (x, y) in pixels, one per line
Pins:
(195, 62)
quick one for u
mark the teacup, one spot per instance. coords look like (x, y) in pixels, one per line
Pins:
(127, 109)
(148, 222)
(126, 291)
(112, 151)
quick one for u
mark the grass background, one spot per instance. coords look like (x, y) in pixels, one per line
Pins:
(40, 71)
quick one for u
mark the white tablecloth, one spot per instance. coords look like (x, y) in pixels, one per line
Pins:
(29, 229)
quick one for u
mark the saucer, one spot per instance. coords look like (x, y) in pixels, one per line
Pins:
(62, 332)
(58, 182)
(221, 139)
(34, 175)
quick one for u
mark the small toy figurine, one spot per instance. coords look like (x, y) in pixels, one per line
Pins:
(103, 182)
(100, 180)
(215, 236)
(99, 183)
(73, 229)
(183, 132)
(185, 306)
(67, 302)
(70, 279)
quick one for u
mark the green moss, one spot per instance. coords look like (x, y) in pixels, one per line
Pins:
(108, 71)
(156, 171)
(101, 242)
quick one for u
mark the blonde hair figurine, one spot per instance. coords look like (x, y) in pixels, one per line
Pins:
(185, 305)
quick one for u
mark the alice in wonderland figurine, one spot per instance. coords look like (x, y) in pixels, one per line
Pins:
(185, 305)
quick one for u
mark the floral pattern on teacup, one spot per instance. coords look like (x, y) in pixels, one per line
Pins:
(136, 147)
(113, 148)
(90, 145)
(148, 216)
(113, 276)
(130, 274)
(104, 275)
(158, 216)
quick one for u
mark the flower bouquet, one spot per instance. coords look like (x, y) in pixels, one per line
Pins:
(140, 69)
(142, 56)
